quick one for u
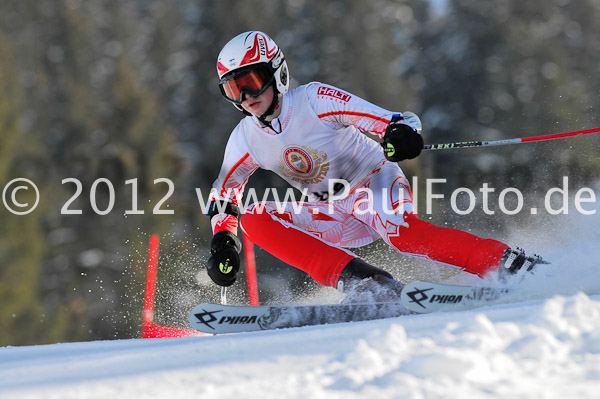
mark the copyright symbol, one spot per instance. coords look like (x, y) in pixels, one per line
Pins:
(9, 197)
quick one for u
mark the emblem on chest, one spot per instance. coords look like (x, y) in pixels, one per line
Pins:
(304, 164)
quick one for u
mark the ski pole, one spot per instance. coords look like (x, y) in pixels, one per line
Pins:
(469, 144)
(223, 295)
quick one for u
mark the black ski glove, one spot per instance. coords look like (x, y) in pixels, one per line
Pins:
(224, 263)
(401, 141)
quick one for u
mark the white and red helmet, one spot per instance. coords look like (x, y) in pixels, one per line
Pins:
(249, 63)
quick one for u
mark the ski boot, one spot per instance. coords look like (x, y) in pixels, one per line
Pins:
(364, 283)
(515, 261)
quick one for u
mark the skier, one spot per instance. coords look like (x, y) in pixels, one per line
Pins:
(312, 137)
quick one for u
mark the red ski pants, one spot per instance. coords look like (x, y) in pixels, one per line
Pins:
(310, 236)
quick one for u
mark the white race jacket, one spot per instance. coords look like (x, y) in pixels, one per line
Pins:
(319, 139)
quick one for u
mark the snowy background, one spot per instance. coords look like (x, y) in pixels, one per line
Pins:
(545, 343)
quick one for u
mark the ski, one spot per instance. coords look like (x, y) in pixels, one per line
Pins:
(427, 297)
(416, 297)
(213, 318)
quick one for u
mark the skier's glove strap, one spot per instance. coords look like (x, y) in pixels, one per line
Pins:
(224, 262)
(401, 141)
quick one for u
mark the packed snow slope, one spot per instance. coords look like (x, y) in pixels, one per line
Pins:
(544, 343)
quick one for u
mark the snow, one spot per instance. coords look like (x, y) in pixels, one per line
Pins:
(545, 343)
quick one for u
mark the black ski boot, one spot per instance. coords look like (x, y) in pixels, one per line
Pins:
(515, 261)
(365, 283)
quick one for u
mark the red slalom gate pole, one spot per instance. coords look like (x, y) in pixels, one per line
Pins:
(250, 271)
(148, 317)
(149, 328)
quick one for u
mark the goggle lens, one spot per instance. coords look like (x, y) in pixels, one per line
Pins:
(253, 82)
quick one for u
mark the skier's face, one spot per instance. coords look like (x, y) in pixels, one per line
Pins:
(257, 106)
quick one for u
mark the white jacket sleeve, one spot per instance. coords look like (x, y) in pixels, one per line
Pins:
(229, 186)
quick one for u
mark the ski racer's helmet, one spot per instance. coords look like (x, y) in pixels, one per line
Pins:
(250, 63)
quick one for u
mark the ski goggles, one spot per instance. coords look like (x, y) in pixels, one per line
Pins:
(251, 81)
